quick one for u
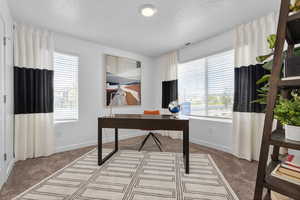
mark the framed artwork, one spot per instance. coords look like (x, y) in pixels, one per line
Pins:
(123, 81)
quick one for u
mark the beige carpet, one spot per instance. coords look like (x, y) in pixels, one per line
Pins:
(132, 175)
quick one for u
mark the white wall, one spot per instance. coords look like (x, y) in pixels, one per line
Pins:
(83, 132)
(204, 131)
(5, 15)
(214, 133)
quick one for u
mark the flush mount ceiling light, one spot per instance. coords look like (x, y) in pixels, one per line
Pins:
(148, 10)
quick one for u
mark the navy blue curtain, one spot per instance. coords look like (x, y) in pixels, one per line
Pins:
(245, 88)
(33, 90)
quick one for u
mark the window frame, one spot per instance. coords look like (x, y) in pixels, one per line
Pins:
(206, 84)
(77, 86)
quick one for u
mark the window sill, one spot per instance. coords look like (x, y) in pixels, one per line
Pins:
(214, 119)
(66, 121)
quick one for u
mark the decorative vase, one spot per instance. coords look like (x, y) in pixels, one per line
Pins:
(292, 132)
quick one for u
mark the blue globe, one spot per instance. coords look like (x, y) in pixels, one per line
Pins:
(174, 107)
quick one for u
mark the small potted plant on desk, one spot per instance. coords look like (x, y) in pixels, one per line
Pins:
(287, 111)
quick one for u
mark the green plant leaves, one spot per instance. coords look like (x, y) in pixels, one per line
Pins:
(288, 111)
(263, 91)
(271, 41)
(268, 65)
(295, 6)
(263, 58)
(263, 79)
(297, 51)
(260, 101)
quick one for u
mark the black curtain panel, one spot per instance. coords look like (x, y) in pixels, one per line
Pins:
(169, 92)
(245, 88)
(33, 90)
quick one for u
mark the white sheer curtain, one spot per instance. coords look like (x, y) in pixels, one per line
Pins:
(34, 134)
(168, 65)
(250, 42)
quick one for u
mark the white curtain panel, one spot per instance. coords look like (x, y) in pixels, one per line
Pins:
(250, 39)
(168, 64)
(34, 134)
(250, 42)
(247, 128)
(33, 48)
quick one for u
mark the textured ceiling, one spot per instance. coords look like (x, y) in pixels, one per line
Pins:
(117, 23)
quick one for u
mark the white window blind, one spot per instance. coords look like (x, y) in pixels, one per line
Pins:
(207, 84)
(65, 87)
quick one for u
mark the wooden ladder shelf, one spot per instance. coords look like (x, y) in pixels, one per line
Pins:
(289, 31)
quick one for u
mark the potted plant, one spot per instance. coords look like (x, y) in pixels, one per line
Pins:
(293, 68)
(287, 111)
(291, 62)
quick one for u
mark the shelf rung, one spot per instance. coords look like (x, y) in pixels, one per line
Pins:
(294, 17)
(278, 139)
(290, 83)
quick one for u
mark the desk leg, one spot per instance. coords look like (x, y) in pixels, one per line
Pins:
(99, 144)
(186, 151)
(183, 145)
(103, 160)
(116, 140)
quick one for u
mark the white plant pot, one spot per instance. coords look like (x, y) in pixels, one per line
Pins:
(292, 132)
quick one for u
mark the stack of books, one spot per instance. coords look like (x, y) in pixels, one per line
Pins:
(289, 170)
(277, 196)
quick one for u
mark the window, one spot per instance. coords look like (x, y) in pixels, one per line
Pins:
(206, 85)
(65, 87)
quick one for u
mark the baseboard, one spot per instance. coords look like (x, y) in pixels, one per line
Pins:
(94, 142)
(211, 145)
(75, 146)
(9, 168)
(126, 136)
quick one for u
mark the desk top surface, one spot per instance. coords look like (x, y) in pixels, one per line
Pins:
(145, 117)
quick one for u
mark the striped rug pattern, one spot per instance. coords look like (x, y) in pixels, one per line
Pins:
(132, 175)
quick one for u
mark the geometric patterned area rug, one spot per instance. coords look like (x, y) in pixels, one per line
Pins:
(133, 175)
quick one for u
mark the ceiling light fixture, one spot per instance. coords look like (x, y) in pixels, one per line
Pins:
(148, 10)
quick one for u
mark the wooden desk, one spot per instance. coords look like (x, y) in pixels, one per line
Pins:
(133, 121)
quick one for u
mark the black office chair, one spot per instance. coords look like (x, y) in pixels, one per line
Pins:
(155, 139)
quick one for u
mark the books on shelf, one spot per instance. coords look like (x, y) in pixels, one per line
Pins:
(277, 196)
(293, 159)
(292, 163)
(289, 170)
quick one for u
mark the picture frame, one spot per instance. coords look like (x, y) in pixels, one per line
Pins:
(123, 81)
